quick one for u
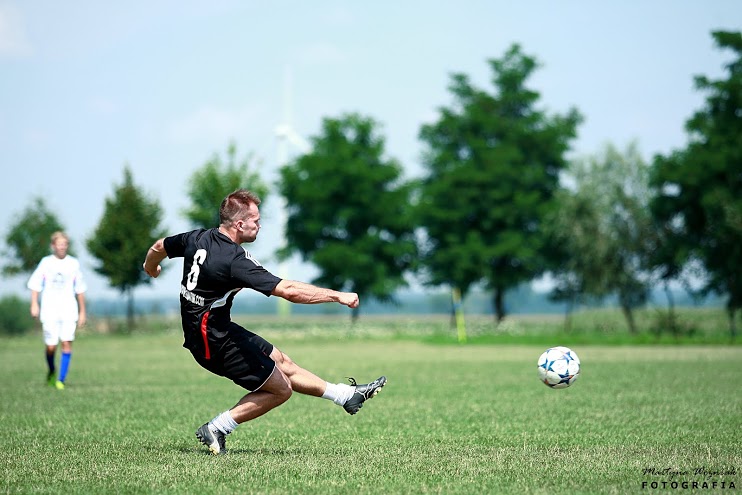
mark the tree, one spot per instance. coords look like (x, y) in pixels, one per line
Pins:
(699, 188)
(129, 226)
(29, 237)
(493, 164)
(348, 210)
(210, 184)
(15, 319)
(575, 225)
(605, 227)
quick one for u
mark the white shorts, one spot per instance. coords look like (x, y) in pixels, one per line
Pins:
(57, 330)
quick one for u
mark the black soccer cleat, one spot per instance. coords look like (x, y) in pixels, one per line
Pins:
(214, 441)
(363, 393)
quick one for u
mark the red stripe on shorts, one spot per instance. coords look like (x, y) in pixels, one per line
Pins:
(204, 334)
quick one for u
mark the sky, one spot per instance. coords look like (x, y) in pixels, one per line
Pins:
(89, 87)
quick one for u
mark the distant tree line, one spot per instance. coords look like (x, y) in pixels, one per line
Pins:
(499, 203)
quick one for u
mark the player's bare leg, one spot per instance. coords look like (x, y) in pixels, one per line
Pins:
(274, 392)
(302, 380)
(351, 397)
(287, 377)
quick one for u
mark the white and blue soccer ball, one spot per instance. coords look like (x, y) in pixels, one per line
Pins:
(558, 367)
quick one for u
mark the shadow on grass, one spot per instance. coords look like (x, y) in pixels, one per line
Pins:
(201, 450)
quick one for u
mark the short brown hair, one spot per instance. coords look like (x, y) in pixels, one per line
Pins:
(235, 205)
(59, 234)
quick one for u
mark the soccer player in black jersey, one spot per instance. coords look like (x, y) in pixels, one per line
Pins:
(215, 268)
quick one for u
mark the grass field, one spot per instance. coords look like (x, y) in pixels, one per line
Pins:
(469, 419)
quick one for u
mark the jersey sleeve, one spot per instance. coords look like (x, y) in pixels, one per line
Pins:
(175, 245)
(80, 286)
(36, 282)
(251, 274)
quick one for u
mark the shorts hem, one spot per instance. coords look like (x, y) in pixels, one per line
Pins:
(266, 380)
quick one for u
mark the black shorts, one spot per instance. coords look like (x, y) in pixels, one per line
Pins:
(240, 355)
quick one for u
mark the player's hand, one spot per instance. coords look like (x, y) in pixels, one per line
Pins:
(349, 299)
(152, 273)
(34, 309)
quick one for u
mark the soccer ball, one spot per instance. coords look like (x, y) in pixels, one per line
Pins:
(558, 367)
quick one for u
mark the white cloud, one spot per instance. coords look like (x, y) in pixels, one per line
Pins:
(544, 284)
(13, 41)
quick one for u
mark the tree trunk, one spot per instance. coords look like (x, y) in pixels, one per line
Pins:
(671, 309)
(499, 304)
(129, 310)
(569, 307)
(732, 312)
(452, 324)
(629, 318)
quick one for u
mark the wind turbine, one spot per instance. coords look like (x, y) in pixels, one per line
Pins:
(286, 136)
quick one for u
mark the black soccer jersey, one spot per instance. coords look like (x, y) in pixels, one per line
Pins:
(214, 270)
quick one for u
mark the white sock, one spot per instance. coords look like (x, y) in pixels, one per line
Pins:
(339, 393)
(223, 423)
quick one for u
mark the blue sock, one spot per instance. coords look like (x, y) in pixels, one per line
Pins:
(64, 365)
(50, 362)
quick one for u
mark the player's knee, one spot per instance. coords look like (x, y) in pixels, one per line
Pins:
(283, 393)
(286, 395)
(288, 365)
(285, 364)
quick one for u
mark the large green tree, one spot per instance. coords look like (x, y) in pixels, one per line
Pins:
(604, 225)
(699, 188)
(493, 163)
(28, 239)
(210, 184)
(348, 210)
(129, 226)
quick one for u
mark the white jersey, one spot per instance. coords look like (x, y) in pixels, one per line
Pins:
(59, 281)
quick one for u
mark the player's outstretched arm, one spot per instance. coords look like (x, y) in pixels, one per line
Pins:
(303, 293)
(155, 254)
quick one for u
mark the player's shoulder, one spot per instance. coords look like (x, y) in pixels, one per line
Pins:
(46, 260)
(213, 241)
(72, 260)
(206, 237)
(69, 262)
(183, 238)
(195, 233)
(251, 258)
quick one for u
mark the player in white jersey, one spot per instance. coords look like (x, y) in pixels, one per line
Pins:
(61, 308)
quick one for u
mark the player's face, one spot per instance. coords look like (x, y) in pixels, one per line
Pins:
(249, 227)
(59, 248)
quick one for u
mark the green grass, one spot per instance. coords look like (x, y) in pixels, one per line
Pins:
(469, 419)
